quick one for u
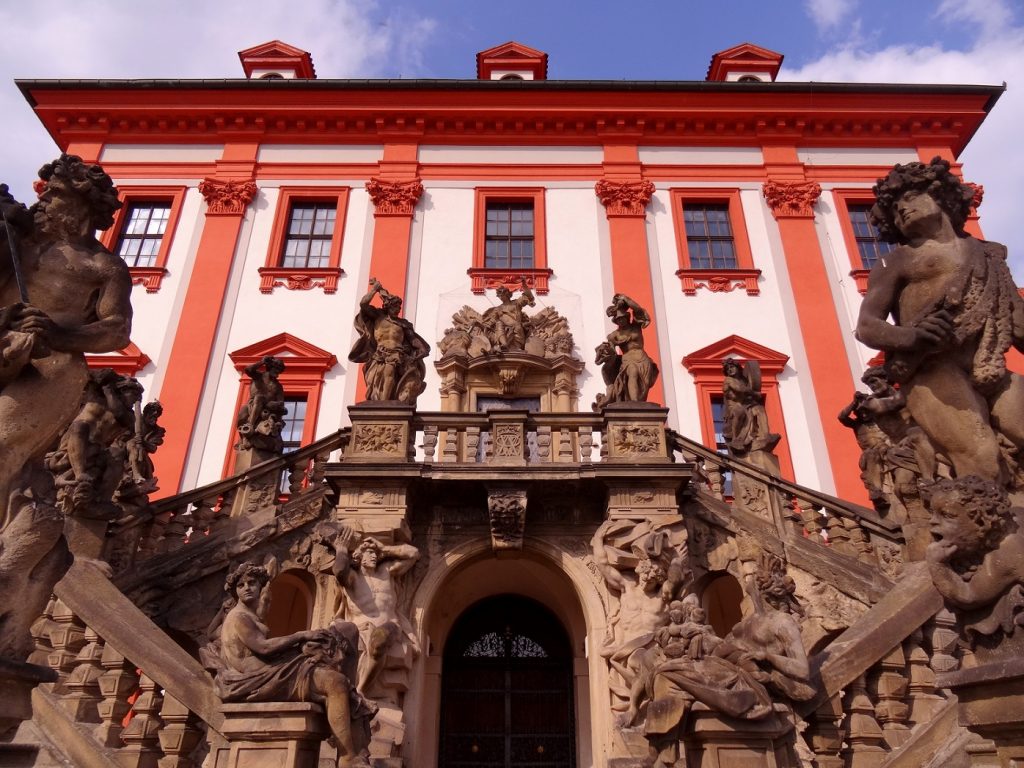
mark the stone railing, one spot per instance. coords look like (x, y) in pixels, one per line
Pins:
(508, 437)
(172, 522)
(126, 694)
(831, 522)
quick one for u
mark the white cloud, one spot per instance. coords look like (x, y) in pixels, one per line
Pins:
(827, 15)
(992, 52)
(186, 39)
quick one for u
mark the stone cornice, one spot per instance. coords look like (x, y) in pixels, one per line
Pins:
(792, 199)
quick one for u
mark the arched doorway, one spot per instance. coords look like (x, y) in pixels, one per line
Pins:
(507, 688)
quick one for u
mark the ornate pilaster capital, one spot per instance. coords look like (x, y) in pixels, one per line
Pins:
(394, 198)
(624, 198)
(227, 198)
(792, 199)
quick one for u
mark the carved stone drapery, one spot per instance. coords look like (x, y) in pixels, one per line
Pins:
(624, 198)
(394, 198)
(506, 508)
(227, 198)
(792, 199)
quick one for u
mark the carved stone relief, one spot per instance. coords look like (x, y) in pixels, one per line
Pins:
(506, 510)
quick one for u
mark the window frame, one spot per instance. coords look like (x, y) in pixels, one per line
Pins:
(483, 277)
(306, 368)
(152, 276)
(844, 198)
(705, 366)
(272, 274)
(716, 280)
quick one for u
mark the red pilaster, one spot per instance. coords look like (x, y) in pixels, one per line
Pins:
(625, 195)
(792, 200)
(189, 361)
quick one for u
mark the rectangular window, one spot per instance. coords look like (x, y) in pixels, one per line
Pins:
(291, 433)
(718, 418)
(307, 243)
(509, 238)
(142, 233)
(709, 239)
(869, 246)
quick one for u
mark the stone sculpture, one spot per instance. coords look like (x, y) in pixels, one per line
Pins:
(368, 574)
(507, 328)
(390, 349)
(746, 422)
(315, 665)
(977, 559)
(645, 569)
(149, 436)
(261, 418)
(760, 662)
(956, 312)
(629, 374)
(91, 460)
(62, 294)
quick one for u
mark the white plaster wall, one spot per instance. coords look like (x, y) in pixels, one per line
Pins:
(320, 153)
(701, 155)
(161, 153)
(580, 285)
(510, 155)
(313, 316)
(855, 155)
(155, 313)
(693, 322)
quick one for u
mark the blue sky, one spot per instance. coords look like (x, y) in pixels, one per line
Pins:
(966, 41)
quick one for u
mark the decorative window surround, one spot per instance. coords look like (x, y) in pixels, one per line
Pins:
(744, 276)
(536, 277)
(306, 366)
(272, 275)
(845, 198)
(150, 277)
(127, 362)
(705, 365)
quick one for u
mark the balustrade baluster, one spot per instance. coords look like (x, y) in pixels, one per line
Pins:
(142, 735)
(116, 684)
(944, 640)
(297, 477)
(890, 688)
(860, 547)
(82, 683)
(471, 445)
(175, 531)
(565, 444)
(864, 735)
(924, 701)
(318, 469)
(826, 733)
(67, 637)
(40, 632)
(810, 515)
(450, 451)
(544, 443)
(429, 442)
(586, 444)
(180, 735)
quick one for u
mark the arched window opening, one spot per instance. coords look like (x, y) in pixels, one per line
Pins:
(292, 595)
(723, 600)
(511, 76)
(506, 688)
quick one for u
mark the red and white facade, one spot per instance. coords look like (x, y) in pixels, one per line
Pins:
(409, 169)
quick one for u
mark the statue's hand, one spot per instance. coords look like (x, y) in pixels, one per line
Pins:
(15, 213)
(29, 319)
(940, 552)
(934, 329)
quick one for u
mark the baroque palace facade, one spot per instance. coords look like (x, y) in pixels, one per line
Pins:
(541, 553)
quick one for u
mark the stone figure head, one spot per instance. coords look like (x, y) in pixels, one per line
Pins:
(732, 368)
(504, 294)
(969, 513)
(776, 587)
(904, 182)
(246, 583)
(649, 573)
(74, 194)
(392, 305)
(877, 379)
(368, 554)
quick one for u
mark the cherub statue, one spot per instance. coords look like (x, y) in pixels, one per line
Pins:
(630, 375)
(977, 558)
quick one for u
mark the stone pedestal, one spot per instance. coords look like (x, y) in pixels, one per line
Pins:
(17, 679)
(991, 704)
(715, 741)
(270, 735)
(635, 432)
(381, 432)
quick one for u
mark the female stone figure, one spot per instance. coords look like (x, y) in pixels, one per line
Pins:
(630, 374)
(746, 422)
(304, 666)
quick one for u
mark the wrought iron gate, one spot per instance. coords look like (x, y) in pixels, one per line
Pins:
(506, 689)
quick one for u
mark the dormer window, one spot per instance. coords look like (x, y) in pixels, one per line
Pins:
(511, 61)
(745, 63)
(277, 61)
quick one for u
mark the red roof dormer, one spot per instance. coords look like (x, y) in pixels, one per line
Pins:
(511, 61)
(745, 62)
(277, 60)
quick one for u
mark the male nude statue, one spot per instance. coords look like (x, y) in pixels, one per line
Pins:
(78, 301)
(390, 349)
(368, 576)
(956, 312)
